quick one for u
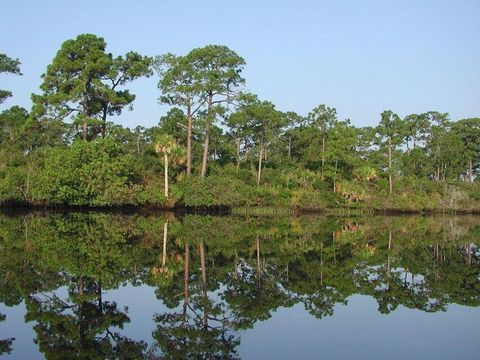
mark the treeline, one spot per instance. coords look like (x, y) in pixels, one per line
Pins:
(218, 145)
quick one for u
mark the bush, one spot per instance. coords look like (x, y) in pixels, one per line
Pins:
(94, 173)
(13, 185)
(316, 200)
(210, 191)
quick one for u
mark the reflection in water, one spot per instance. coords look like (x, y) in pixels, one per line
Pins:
(218, 276)
(5, 344)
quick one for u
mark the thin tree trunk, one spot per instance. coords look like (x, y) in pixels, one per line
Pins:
(165, 234)
(390, 177)
(104, 122)
(85, 131)
(203, 267)
(237, 143)
(207, 137)
(470, 171)
(100, 298)
(335, 177)
(289, 146)
(185, 279)
(257, 245)
(80, 286)
(205, 152)
(321, 264)
(334, 248)
(235, 266)
(323, 154)
(165, 159)
(85, 111)
(259, 175)
(204, 283)
(189, 140)
(389, 238)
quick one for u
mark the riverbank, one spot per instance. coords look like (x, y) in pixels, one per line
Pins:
(339, 210)
(220, 192)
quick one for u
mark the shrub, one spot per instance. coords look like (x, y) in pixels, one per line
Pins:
(94, 173)
(316, 200)
(210, 191)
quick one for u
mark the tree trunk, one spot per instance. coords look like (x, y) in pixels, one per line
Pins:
(289, 146)
(203, 267)
(470, 171)
(390, 238)
(207, 137)
(205, 152)
(189, 140)
(335, 177)
(257, 246)
(321, 264)
(165, 159)
(185, 279)
(85, 131)
(323, 154)
(390, 177)
(204, 283)
(85, 111)
(259, 175)
(104, 122)
(237, 143)
(235, 266)
(99, 297)
(164, 254)
(80, 286)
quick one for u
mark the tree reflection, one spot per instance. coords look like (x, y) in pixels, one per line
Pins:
(5, 344)
(81, 326)
(202, 327)
(217, 276)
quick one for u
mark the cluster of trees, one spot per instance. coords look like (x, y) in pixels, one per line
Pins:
(213, 128)
(218, 276)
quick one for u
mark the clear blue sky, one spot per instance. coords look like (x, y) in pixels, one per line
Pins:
(361, 57)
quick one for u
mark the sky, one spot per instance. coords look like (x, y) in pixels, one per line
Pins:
(361, 57)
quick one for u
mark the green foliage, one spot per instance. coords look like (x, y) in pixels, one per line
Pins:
(8, 65)
(212, 191)
(151, 194)
(83, 81)
(13, 185)
(63, 271)
(86, 174)
(316, 200)
(256, 154)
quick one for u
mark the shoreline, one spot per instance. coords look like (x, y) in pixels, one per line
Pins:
(231, 210)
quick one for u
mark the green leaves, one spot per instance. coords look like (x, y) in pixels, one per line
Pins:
(322, 117)
(85, 174)
(8, 65)
(83, 80)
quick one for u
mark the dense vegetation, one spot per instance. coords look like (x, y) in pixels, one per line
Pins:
(218, 145)
(218, 276)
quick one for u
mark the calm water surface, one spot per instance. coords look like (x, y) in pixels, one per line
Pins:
(112, 286)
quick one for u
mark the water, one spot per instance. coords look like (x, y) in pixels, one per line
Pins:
(127, 286)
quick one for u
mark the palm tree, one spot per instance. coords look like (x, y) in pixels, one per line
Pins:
(165, 144)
